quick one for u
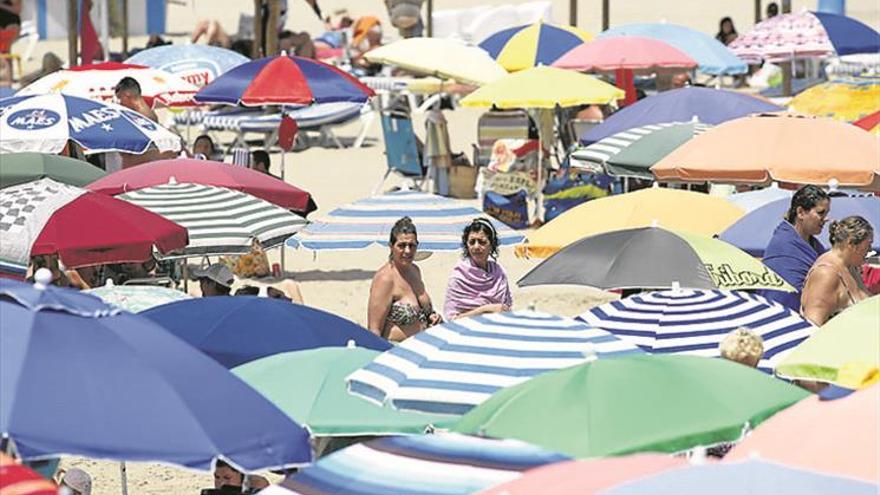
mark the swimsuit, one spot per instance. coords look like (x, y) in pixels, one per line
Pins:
(403, 314)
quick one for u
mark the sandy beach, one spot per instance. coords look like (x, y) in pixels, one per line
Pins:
(339, 281)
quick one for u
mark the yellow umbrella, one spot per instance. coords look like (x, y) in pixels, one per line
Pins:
(669, 208)
(543, 87)
(439, 57)
(523, 47)
(845, 100)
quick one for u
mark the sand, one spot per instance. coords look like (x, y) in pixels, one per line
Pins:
(339, 282)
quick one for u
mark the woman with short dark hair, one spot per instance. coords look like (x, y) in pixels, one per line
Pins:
(478, 284)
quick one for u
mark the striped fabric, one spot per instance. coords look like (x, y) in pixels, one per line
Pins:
(447, 464)
(439, 221)
(450, 368)
(219, 220)
(696, 321)
(310, 117)
(604, 151)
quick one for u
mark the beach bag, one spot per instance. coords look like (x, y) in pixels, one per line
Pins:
(511, 210)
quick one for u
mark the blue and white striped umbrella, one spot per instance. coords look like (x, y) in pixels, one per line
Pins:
(696, 321)
(450, 368)
(447, 464)
(44, 124)
(440, 222)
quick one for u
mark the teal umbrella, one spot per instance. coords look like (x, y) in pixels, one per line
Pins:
(18, 168)
(660, 403)
(310, 387)
(137, 298)
(631, 153)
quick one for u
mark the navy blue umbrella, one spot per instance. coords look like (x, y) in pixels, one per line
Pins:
(80, 377)
(236, 330)
(752, 232)
(709, 106)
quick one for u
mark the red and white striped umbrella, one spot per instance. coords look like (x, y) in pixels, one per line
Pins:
(96, 82)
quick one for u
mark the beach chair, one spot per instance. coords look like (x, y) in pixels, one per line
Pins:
(499, 124)
(401, 148)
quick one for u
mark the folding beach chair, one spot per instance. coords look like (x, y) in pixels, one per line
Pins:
(500, 124)
(401, 148)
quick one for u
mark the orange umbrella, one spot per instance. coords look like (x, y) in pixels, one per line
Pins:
(838, 437)
(586, 477)
(16, 479)
(783, 147)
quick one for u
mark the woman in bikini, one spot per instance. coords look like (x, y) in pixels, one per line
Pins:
(399, 305)
(830, 286)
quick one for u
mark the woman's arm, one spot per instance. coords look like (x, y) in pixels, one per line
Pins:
(820, 298)
(379, 303)
(486, 308)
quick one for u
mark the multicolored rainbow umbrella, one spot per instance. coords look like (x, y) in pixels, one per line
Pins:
(528, 46)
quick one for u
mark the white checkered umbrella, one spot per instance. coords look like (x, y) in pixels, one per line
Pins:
(696, 321)
(219, 220)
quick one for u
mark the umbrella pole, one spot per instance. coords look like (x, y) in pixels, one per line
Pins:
(123, 476)
(283, 152)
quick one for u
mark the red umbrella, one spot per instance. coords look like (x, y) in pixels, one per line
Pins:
(16, 479)
(625, 54)
(81, 227)
(206, 173)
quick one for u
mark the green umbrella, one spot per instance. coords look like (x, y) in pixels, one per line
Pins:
(137, 298)
(660, 403)
(850, 338)
(654, 258)
(309, 386)
(18, 168)
(631, 153)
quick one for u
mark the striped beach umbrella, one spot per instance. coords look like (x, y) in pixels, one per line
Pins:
(219, 220)
(445, 464)
(137, 298)
(696, 321)
(440, 222)
(631, 153)
(523, 47)
(451, 368)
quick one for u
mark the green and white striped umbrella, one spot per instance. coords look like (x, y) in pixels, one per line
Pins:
(631, 153)
(137, 298)
(219, 220)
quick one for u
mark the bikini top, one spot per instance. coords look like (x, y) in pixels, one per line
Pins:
(404, 313)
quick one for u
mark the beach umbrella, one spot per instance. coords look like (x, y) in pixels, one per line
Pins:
(781, 147)
(523, 47)
(17, 479)
(653, 258)
(239, 329)
(207, 173)
(661, 403)
(625, 55)
(528, 89)
(672, 208)
(284, 80)
(696, 321)
(712, 56)
(18, 168)
(452, 367)
(317, 397)
(753, 232)
(98, 82)
(440, 222)
(137, 298)
(592, 476)
(846, 100)
(850, 422)
(444, 58)
(871, 123)
(219, 220)
(83, 228)
(109, 384)
(632, 152)
(756, 477)
(710, 106)
(425, 465)
(805, 34)
(46, 123)
(752, 200)
(849, 338)
(197, 64)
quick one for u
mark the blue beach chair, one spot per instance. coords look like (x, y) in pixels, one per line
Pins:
(401, 149)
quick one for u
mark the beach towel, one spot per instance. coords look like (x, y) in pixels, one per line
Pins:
(791, 257)
(471, 287)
